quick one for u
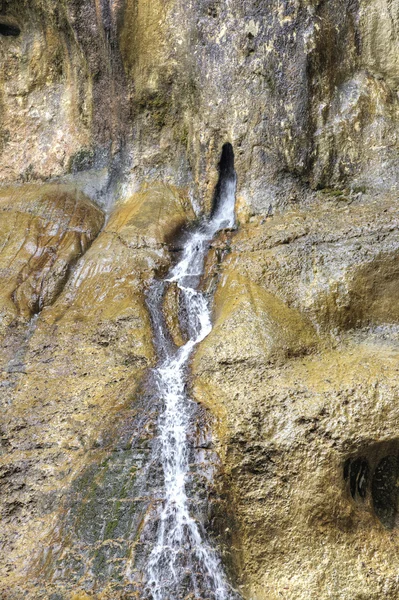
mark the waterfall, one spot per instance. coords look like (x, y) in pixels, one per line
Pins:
(182, 560)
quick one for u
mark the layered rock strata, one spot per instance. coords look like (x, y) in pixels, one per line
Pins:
(112, 120)
(70, 379)
(301, 372)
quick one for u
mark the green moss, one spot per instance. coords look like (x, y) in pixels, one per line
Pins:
(103, 510)
(99, 562)
(332, 192)
(5, 138)
(181, 134)
(361, 189)
(29, 175)
(82, 160)
(112, 524)
(156, 105)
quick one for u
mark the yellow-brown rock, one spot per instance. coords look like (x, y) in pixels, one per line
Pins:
(46, 95)
(335, 260)
(99, 98)
(285, 434)
(171, 309)
(76, 376)
(44, 230)
(252, 325)
(297, 413)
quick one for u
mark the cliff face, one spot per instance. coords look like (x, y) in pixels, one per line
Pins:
(300, 369)
(112, 120)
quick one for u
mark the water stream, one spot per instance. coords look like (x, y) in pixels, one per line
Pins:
(183, 562)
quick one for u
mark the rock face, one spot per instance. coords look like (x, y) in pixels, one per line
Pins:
(112, 120)
(45, 229)
(300, 371)
(68, 379)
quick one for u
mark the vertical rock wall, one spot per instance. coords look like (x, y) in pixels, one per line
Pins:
(113, 114)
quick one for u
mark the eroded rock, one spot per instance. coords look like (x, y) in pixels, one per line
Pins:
(293, 407)
(301, 368)
(82, 366)
(45, 229)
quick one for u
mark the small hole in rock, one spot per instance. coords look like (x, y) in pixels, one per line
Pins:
(9, 30)
(357, 472)
(227, 173)
(384, 490)
(213, 10)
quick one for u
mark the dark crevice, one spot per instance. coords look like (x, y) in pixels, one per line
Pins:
(9, 30)
(384, 491)
(227, 174)
(357, 472)
(375, 476)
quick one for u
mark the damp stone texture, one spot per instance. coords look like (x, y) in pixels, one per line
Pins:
(115, 120)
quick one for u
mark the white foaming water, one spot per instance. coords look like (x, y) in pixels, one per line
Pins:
(182, 561)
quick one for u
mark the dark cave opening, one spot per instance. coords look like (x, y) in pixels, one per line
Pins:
(385, 492)
(227, 174)
(376, 475)
(9, 30)
(357, 472)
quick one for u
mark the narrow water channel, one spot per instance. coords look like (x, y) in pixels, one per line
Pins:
(183, 562)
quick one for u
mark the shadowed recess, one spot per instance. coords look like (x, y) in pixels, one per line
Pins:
(227, 174)
(9, 30)
(378, 475)
(357, 472)
(385, 492)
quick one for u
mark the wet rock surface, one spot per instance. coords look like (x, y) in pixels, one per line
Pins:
(302, 400)
(113, 116)
(82, 362)
(44, 229)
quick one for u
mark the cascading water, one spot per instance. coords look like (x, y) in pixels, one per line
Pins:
(182, 560)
